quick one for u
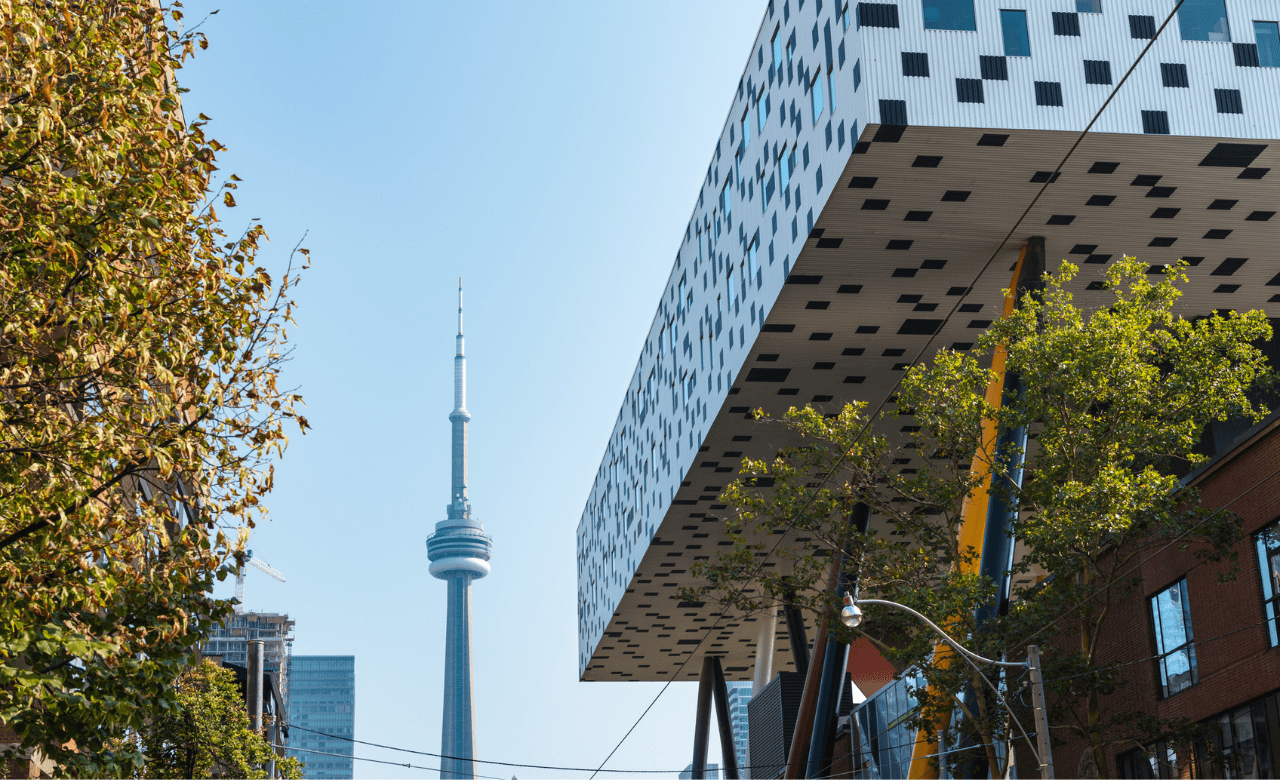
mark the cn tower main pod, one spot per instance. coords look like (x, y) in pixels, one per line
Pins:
(459, 553)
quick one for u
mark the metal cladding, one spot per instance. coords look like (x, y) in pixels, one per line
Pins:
(459, 551)
(856, 216)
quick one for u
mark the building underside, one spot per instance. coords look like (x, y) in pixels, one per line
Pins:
(920, 219)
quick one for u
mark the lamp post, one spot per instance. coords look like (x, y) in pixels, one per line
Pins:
(852, 617)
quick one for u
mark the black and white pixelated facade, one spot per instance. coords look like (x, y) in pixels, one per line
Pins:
(869, 174)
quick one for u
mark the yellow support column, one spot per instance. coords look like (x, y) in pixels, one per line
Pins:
(973, 524)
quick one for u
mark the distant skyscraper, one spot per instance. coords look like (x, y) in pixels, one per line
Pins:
(459, 552)
(739, 695)
(324, 700)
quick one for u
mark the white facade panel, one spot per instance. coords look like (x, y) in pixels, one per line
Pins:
(695, 347)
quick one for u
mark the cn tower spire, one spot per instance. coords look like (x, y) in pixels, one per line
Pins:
(459, 506)
(459, 551)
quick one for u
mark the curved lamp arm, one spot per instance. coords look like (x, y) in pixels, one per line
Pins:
(954, 644)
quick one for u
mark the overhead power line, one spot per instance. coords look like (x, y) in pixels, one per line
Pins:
(915, 361)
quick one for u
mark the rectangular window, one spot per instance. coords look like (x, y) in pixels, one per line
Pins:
(1268, 544)
(949, 15)
(785, 163)
(1155, 122)
(1048, 93)
(844, 17)
(726, 198)
(1229, 101)
(1155, 761)
(815, 93)
(776, 48)
(1142, 27)
(746, 128)
(762, 111)
(752, 268)
(1066, 24)
(1241, 742)
(1203, 20)
(1171, 619)
(1088, 6)
(1268, 36)
(1097, 72)
(831, 89)
(1017, 43)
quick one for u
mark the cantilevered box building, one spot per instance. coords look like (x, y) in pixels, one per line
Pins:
(881, 168)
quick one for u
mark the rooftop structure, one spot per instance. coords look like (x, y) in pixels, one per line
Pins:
(881, 167)
(459, 552)
(230, 642)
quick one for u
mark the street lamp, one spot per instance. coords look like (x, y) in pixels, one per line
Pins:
(852, 617)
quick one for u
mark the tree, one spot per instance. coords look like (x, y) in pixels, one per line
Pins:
(206, 732)
(140, 351)
(1113, 398)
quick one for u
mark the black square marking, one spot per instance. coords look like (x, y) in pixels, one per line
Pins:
(863, 182)
(854, 380)
(925, 307)
(890, 133)
(1095, 285)
(778, 328)
(1194, 261)
(768, 374)
(823, 366)
(959, 196)
(1162, 241)
(904, 298)
(917, 216)
(904, 273)
(1259, 216)
(1145, 181)
(926, 161)
(820, 305)
(993, 68)
(853, 351)
(804, 279)
(1104, 167)
(979, 323)
(874, 204)
(993, 139)
(962, 346)
(1039, 177)
(821, 399)
(868, 329)
(1233, 155)
(1165, 213)
(1229, 266)
(820, 336)
(1253, 173)
(933, 265)
(1217, 233)
(1160, 192)
(1061, 219)
(862, 147)
(850, 289)
(1226, 288)
(970, 308)
(1221, 204)
(787, 391)
(918, 328)
(817, 232)
(902, 244)
(1100, 200)
(830, 243)
(1097, 259)
(1083, 249)
(768, 357)
(957, 290)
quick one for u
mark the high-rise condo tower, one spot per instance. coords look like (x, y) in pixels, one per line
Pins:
(459, 552)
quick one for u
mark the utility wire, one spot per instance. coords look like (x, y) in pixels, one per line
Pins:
(376, 761)
(915, 361)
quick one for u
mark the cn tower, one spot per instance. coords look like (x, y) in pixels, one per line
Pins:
(459, 553)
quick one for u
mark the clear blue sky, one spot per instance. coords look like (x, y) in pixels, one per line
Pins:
(549, 154)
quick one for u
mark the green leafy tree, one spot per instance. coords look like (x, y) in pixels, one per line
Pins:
(140, 350)
(1114, 397)
(205, 732)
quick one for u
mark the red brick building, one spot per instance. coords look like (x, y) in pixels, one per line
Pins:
(1199, 648)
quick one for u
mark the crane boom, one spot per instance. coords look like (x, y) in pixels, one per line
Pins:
(266, 568)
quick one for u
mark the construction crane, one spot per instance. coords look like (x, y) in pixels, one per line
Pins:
(261, 566)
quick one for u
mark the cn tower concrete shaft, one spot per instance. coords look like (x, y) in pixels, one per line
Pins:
(459, 551)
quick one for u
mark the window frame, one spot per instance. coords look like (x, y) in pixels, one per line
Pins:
(1270, 592)
(1025, 31)
(1189, 7)
(1163, 652)
(1272, 54)
(816, 102)
(972, 18)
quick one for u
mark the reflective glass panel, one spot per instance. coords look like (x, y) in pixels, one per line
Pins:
(815, 92)
(1203, 20)
(949, 15)
(1089, 6)
(1013, 25)
(1268, 36)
